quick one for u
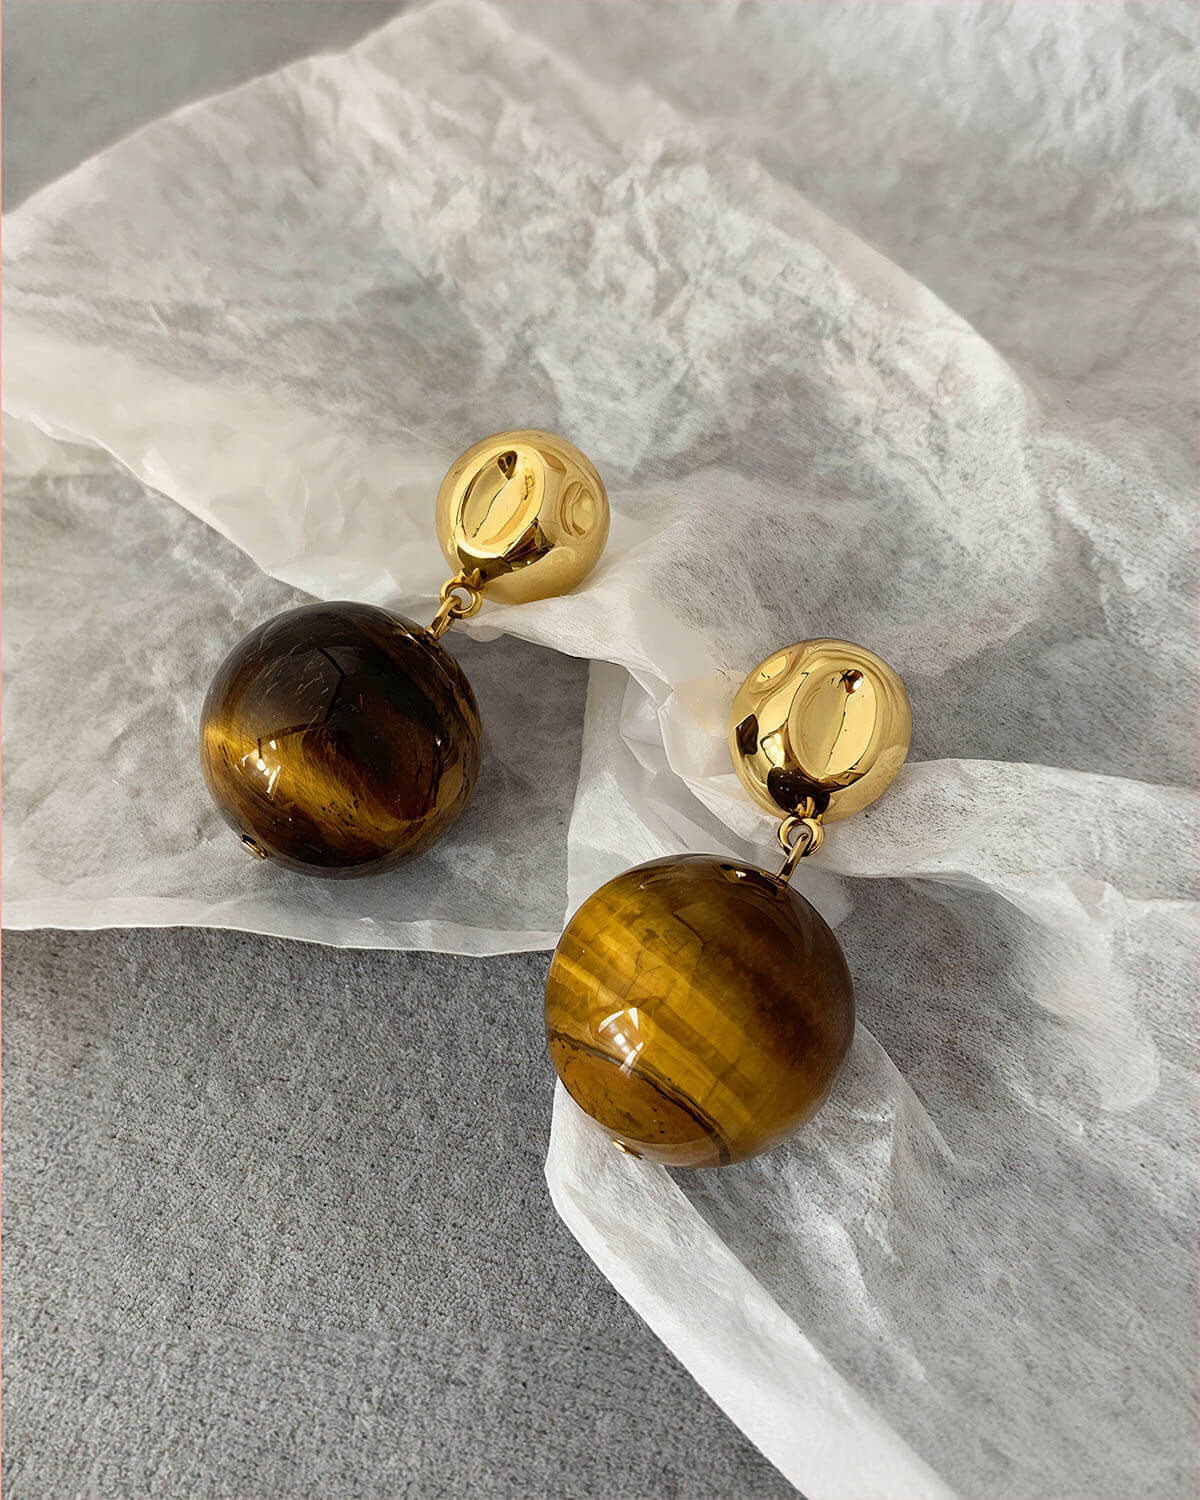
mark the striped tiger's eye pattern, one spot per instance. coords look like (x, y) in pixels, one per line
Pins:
(340, 739)
(699, 1009)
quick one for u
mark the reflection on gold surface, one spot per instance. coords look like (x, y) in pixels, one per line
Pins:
(824, 723)
(524, 511)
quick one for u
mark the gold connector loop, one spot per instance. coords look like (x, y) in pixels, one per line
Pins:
(453, 607)
(799, 837)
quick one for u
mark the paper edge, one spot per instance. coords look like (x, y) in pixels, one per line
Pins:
(119, 912)
(800, 1413)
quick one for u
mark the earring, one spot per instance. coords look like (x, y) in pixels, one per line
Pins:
(699, 1008)
(341, 739)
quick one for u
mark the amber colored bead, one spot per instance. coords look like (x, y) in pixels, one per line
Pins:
(340, 739)
(699, 1009)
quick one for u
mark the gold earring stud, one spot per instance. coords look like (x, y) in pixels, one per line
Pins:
(699, 1008)
(341, 739)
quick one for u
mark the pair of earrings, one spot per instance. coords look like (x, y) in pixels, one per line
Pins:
(697, 1007)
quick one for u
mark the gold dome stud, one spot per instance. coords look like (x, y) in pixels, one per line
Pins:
(524, 513)
(823, 725)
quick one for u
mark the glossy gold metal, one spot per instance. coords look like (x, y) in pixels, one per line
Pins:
(451, 607)
(798, 837)
(819, 729)
(525, 512)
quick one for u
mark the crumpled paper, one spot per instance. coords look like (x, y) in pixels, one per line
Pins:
(969, 448)
(120, 606)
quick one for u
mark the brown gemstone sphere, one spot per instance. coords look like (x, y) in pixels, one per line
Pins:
(699, 1009)
(340, 739)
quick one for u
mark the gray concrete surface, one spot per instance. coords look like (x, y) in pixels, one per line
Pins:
(275, 1225)
(80, 74)
(274, 1216)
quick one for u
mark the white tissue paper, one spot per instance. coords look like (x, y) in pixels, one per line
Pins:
(969, 448)
(120, 606)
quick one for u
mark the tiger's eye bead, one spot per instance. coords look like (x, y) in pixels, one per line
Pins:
(340, 739)
(699, 1009)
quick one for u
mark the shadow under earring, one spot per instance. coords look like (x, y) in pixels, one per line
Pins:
(700, 1008)
(341, 739)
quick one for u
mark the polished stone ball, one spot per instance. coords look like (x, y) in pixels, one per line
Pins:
(340, 739)
(699, 1009)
